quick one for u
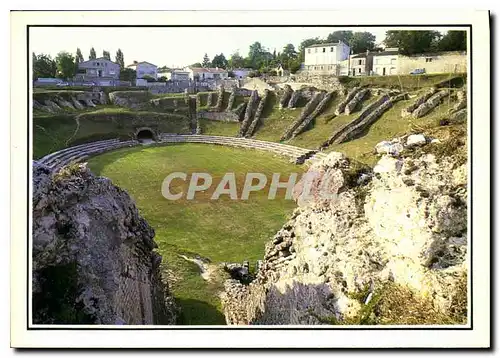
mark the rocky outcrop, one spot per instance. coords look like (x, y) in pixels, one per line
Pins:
(240, 109)
(430, 104)
(306, 111)
(93, 254)
(342, 105)
(319, 108)
(356, 101)
(258, 113)
(285, 98)
(293, 99)
(249, 112)
(54, 107)
(459, 116)
(390, 250)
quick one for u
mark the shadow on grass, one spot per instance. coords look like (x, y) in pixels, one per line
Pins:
(195, 312)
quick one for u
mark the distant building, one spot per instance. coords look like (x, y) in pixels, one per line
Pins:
(385, 63)
(176, 75)
(241, 73)
(203, 74)
(144, 69)
(325, 58)
(101, 71)
(361, 64)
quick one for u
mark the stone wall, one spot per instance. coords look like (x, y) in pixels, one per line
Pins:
(445, 62)
(319, 108)
(431, 103)
(249, 112)
(406, 112)
(341, 106)
(258, 113)
(93, 254)
(306, 111)
(228, 116)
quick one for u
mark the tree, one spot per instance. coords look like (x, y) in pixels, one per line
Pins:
(119, 58)
(288, 56)
(79, 57)
(206, 61)
(106, 55)
(128, 74)
(43, 66)
(92, 55)
(197, 64)
(411, 42)
(219, 61)
(236, 60)
(65, 63)
(453, 41)
(336, 36)
(361, 42)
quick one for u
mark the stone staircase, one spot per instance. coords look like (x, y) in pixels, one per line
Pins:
(78, 153)
(55, 161)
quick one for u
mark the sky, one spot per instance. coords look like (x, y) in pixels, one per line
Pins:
(174, 47)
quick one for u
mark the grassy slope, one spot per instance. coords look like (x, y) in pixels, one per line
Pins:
(222, 230)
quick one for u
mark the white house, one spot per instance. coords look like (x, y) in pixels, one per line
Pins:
(325, 58)
(241, 72)
(386, 62)
(203, 74)
(144, 69)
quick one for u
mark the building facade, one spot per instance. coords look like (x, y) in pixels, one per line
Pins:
(100, 68)
(386, 63)
(361, 64)
(144, 69)
(325, 58)
(203, 74)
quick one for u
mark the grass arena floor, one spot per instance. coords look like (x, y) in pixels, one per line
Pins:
(222, 230)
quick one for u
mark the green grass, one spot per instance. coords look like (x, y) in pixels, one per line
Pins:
(222, 230)
(210, 127)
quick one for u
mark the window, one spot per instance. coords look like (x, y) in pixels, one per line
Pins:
(308, 50)
(331, 49)
(324, 49)
(97, 63)
(428, 59)
(359, 70)
(359, 62)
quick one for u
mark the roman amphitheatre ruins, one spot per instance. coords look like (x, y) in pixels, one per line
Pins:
(389, 249)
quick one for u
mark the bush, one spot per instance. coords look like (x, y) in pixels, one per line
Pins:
(253, 74)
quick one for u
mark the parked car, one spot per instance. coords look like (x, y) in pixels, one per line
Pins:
(418, 71)
(89, 84)
(62, 84)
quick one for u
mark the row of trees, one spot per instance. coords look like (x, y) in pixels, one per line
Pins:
(65, 64)
(409, 42)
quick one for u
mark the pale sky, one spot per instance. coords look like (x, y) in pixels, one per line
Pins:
(174, 47)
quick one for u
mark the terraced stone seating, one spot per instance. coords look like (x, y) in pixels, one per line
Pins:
(78, 153)
(299, 155)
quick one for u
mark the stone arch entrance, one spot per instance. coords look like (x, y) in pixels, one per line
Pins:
(145, 134)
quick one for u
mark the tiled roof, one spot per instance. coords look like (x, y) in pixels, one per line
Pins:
(142, 62)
